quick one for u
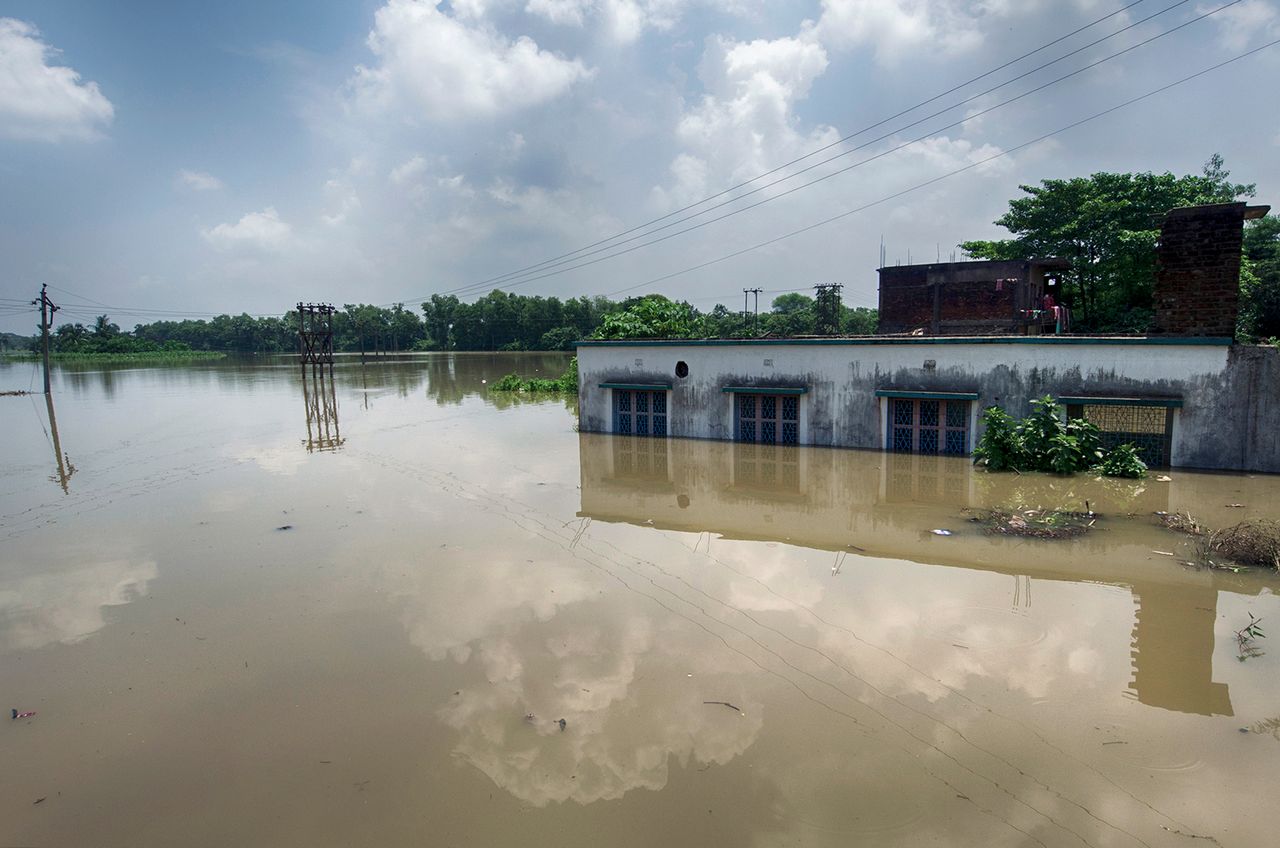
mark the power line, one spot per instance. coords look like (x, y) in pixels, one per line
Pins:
(539, 265)
(947, 175)
(584, 252)
(847, 168)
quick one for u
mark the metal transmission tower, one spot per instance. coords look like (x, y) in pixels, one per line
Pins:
(315, 348)
(315, 336)
(827, 309)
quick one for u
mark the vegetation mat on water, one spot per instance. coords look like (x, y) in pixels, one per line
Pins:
(1034, 523)
(1182, 522)
(1255, 542)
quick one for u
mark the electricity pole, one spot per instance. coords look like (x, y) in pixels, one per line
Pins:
(46, 323)
(828, 309)
(755, 319)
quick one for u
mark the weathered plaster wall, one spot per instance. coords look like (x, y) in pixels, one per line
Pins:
(1228, 420)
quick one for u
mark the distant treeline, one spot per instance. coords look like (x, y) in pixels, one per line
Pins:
(497, 321)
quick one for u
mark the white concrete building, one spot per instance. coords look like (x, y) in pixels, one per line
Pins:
(1190, 402)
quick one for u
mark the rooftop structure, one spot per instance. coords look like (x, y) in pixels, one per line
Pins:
(980, 298)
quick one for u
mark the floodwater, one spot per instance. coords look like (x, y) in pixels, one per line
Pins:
(746, 646)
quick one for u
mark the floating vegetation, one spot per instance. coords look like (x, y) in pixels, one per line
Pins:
(1181, 522)
(1034, 523)
(1255, 542)
(1249, 543)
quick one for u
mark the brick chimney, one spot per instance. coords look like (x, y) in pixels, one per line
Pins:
(1197, 284)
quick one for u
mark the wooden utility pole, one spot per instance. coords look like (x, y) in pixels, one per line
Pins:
(755, 317)
(46, 324)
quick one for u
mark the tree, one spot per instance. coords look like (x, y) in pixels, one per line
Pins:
(1260, 280)
(652, 317)
(859, 321)
(103, 329)
(1106, 225)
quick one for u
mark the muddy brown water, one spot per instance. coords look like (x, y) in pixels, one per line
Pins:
(747, 646)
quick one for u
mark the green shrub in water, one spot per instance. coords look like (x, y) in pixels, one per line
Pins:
(1122, 461)
(566, 383)
(1043, 441)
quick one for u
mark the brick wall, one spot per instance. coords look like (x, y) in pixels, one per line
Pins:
(1197, 285)
(967, 298)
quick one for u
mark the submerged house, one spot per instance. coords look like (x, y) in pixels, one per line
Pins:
(976, 334)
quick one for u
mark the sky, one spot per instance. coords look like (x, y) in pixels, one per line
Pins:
(163, 159)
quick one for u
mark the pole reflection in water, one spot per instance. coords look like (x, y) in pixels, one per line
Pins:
(64, 466)
(321, 403)
(887, 505)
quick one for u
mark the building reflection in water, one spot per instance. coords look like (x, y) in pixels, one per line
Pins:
(886, 505)
(321, 403)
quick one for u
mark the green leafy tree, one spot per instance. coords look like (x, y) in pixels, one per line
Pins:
(1260, 280)
(792, 314)
(1106, 225)
(652, 317)
(859, 321)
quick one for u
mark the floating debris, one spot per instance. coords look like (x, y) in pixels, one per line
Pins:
(1182, 522)
(723, 704)
(563, 724)
(1035, 523)
(285, 527)
(1254, 542)
(17, 715)
(941, 532)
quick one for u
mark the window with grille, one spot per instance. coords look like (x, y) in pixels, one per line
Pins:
(639, 412)
(767, 419)
(1149, 428)
(919, 425)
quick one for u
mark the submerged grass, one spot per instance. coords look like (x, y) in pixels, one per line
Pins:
(136, 356)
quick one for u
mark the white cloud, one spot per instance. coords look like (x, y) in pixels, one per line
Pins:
(745, 124)
(562, 12)
(263, 230)
(344, 198)
(624, 20)
(445, 70)
(44, 102)
(1240, 24)
(894, 28)
(409, 170)
(198, 180)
